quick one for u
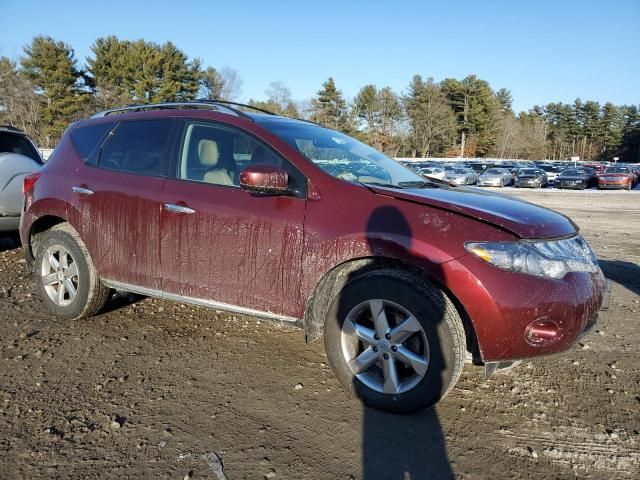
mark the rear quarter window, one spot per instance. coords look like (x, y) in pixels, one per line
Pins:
(87, 140)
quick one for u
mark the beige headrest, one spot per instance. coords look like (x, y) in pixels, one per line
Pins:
(208, 152)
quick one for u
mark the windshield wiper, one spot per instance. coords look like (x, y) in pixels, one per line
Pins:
(418, 184)
(381, 184)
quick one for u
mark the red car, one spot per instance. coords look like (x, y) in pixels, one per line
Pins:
(616, 177)
(286, 220)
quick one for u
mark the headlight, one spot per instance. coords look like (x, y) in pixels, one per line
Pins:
(553, 259)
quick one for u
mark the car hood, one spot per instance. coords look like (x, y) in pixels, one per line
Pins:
(523, 219)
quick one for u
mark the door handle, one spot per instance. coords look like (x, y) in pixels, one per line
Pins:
(172, 207)
(82, 191)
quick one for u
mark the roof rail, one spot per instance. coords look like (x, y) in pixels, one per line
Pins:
(227, 102)
(200, 103)
(169, 105)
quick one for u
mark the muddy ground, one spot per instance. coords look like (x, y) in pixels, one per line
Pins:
(148, 387)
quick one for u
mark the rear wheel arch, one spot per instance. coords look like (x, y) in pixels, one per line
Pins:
(41, 225)
(335, 279)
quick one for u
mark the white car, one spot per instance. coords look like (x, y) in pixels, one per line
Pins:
(18, 157)
(433, 172)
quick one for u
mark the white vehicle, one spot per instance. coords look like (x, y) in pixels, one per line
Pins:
(552, 172)
(18, 157)
(433, 172)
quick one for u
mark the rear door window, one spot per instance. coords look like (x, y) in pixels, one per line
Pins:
(142, 147)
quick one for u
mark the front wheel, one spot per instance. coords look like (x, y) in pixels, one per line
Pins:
(65, 276)
(395, 341)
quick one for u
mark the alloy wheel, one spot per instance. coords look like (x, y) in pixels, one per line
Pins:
(385, 346)
(60, 276)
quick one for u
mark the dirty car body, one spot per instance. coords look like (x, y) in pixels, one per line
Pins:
(272, 219)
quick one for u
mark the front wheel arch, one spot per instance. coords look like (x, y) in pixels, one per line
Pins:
(335, 279)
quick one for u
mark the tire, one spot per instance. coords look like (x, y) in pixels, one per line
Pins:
(64, 244)
(437, 336)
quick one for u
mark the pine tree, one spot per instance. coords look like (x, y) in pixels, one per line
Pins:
(431, 119)
(142, 72)
(52, 69)
(329, 108)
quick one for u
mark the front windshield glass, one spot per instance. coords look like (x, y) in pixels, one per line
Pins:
(493, 171)
(529, 171)
(616, 170)
(342, 156)
(574, 172)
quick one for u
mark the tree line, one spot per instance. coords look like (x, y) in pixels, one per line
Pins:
(48, 88)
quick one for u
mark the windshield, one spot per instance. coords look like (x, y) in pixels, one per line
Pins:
(616, 170)
(574, 172)
(493, 171)
(342, 156)
(529, 171)
(460, 171)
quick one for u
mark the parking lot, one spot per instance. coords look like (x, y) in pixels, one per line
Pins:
(148, 388)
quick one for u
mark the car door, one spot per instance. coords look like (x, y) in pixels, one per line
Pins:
(220, 243)
(119, 194)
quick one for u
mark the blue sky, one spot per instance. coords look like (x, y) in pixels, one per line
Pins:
(541, 50)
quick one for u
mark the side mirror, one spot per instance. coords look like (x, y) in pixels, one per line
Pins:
(264, 178)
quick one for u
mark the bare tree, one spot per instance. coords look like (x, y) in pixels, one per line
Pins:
(223, 84)
(279, 94)
(19, 105)
(231, 84)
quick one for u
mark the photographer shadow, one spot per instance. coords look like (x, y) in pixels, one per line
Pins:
(403, 446)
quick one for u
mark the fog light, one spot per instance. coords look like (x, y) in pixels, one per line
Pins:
(542, 332)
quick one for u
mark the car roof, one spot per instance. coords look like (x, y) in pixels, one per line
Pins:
(12, 130)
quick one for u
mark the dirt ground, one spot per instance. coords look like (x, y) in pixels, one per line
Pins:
(149, 388)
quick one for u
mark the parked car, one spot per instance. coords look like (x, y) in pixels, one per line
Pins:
(495, 177)
(530, 177)
(401, 278)
(18, 157)
(552, 172)
(616, 177)
(433, 172)
(575, 178)
(461, 176)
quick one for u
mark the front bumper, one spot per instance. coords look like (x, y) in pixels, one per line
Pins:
(489, 183)
(528, 184)
(505, 307)
(613, 185)
(571, 184)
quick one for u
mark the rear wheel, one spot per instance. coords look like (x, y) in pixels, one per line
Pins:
(395, 341)
(65, 276)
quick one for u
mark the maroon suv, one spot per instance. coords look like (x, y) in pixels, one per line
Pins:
(286, 220)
